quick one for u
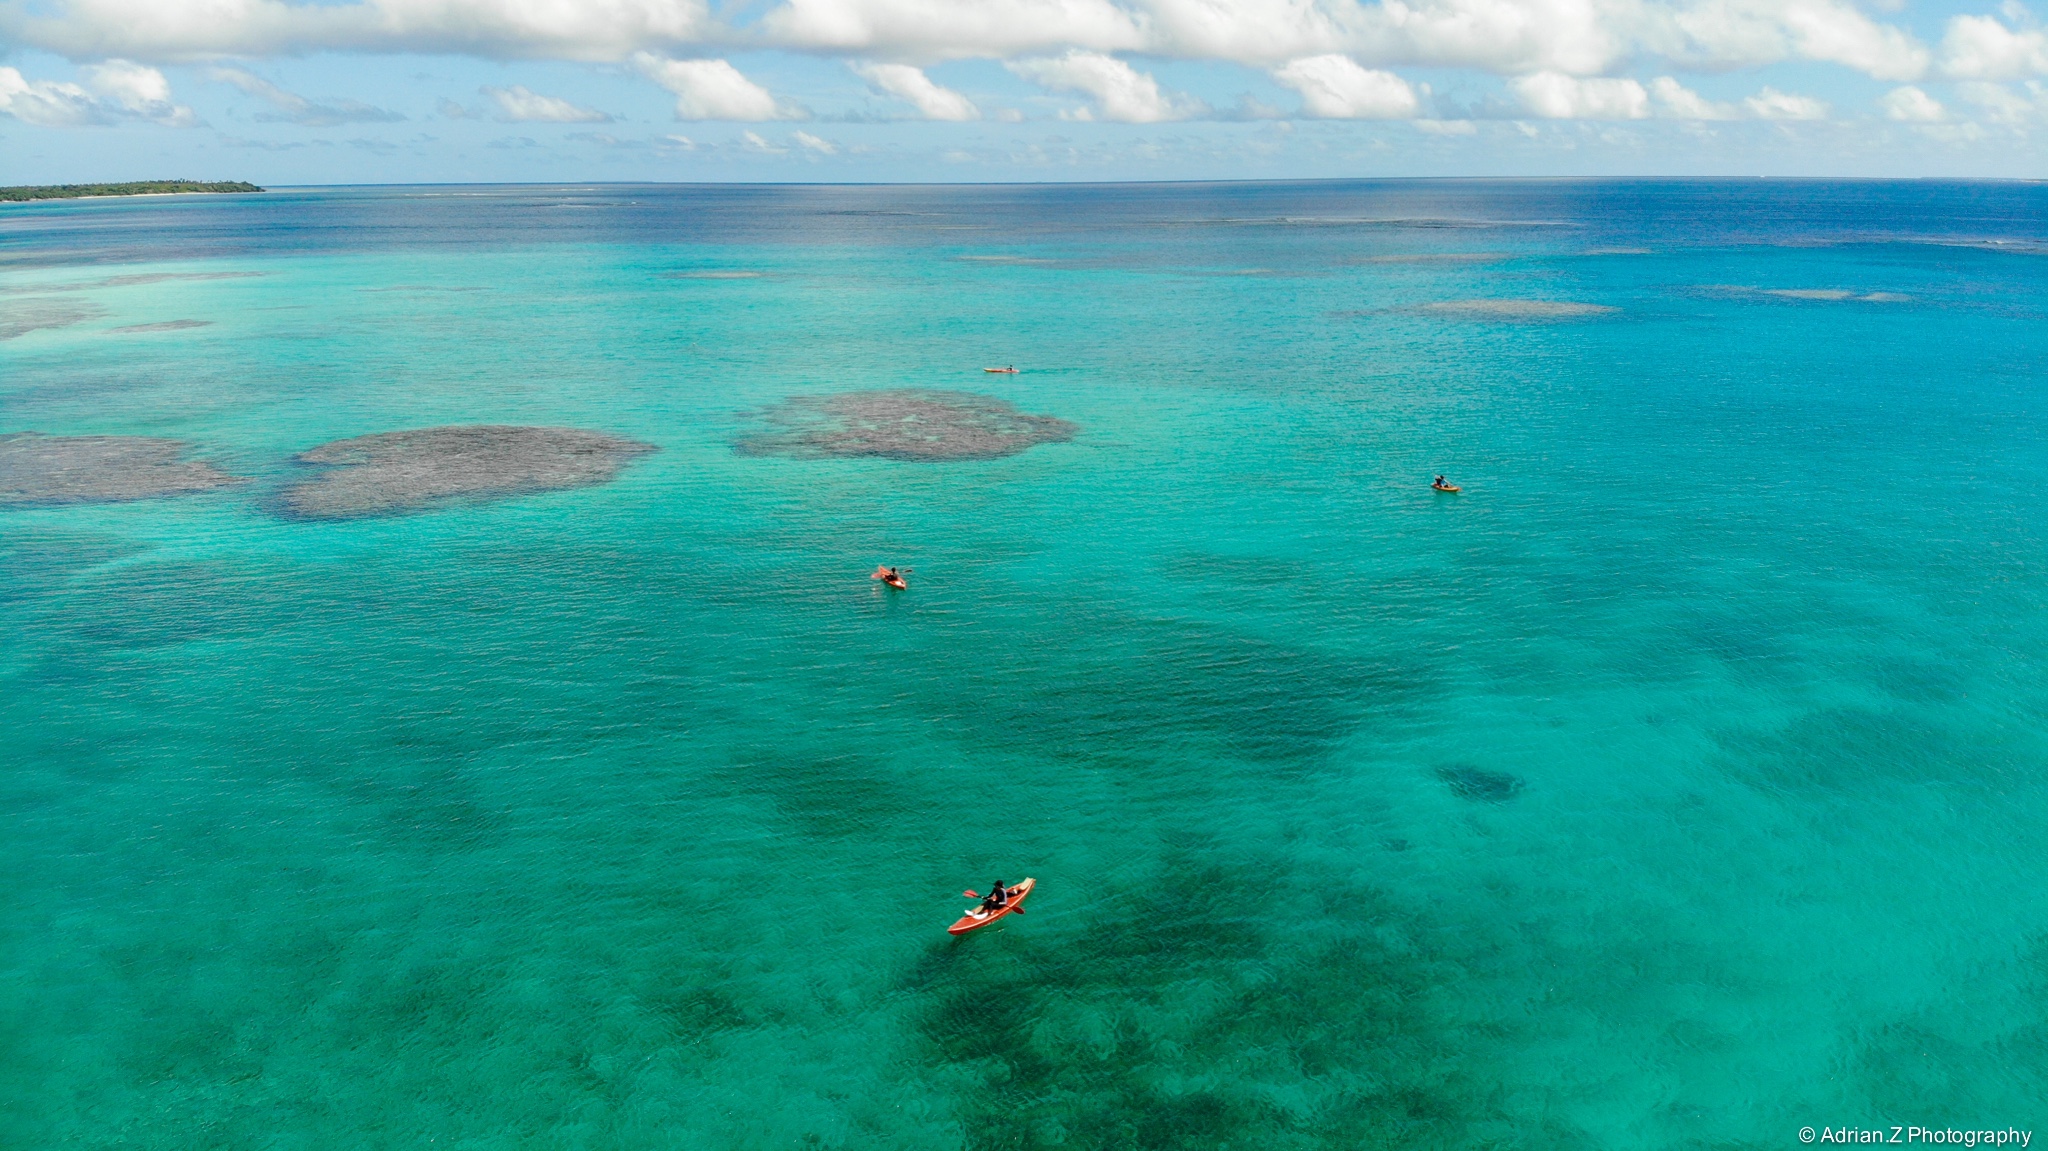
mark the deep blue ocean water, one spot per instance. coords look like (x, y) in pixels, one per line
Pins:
(1677, 784)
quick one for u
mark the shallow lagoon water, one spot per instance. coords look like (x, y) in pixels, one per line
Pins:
(1676, 784)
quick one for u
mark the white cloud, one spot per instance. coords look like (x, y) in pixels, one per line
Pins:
(1340, 55)
(1682, 103)
(519, 105)
(947, 29)
(1912, 106)
(753, 142)
(139, 91)
(2001, 104)
(816, 144)
(1771, 104)
(1735, 33)
(1556, 96)
(713, 90)
(185, 29)
(1336, 88)
(911, 84)
(1839, 34)
(51, 103)
(260, 88)
(1121, 92)
(1573, 36)
(1579, 38)
(298, 109)
(1508, 36)
(1981, 48)
(1501, 35)
(113, 89)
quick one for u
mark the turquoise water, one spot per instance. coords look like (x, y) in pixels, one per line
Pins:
(632, 816)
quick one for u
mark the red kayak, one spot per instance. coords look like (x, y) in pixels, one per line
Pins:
(891, 576)
(976, 917)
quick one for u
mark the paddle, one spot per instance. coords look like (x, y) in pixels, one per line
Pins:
(1014, 909)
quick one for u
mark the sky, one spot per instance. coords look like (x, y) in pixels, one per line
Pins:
(428, 91)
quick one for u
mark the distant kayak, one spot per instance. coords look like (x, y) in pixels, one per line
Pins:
(1452, 488)
(976, 917)
(892, 576)
(1002, 371)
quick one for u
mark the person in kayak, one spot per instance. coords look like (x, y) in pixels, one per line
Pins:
(997, 898)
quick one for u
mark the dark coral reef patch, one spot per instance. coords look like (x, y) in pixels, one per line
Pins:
(1478, 784)
(40, 469)
(901, 424)
(390, 473)
(1168, 1022)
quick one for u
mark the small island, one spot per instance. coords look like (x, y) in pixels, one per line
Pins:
(132, 188)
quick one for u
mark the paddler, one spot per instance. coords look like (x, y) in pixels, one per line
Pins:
(997, 897)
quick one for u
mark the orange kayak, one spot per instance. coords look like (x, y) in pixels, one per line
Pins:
(895, 582)
(1452, 488)
(1001, 371)
(976, 917)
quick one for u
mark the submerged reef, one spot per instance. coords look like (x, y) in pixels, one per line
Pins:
(169, 277)
(1478, 784)
(1518, 309)
(136, 279)
(901, 424)
(40, 469)
(1436, 258)
(390, 473)
(1815, 295)
(1164, 1022)
(33, 315)
(165, 326)
(1006, 259)
(1834, 295)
